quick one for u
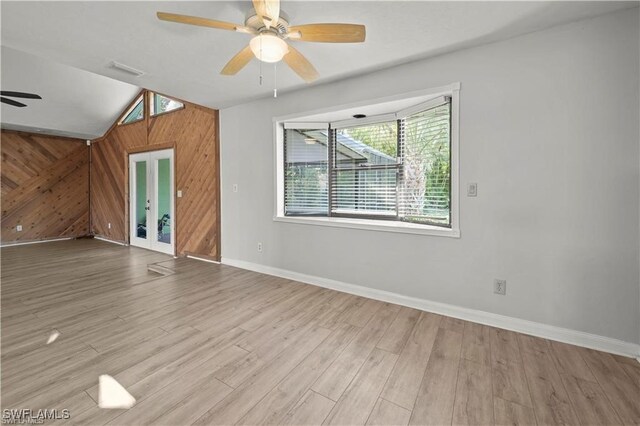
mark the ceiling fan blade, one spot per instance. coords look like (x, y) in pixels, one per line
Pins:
(202, 22)
(238, 62)
(328, 33)
(20, 95)
(12, 102)
(301, 65)
(268, 11)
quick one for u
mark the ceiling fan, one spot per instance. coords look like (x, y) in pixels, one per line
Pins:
(6, 100)
(270, 28)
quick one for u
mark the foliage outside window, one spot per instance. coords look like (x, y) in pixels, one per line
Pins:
(398, 168)
(161, 104)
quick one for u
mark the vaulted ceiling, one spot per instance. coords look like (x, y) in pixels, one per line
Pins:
(74, 103)
(185, 61)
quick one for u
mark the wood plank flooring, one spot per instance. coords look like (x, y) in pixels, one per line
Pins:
(213, 344)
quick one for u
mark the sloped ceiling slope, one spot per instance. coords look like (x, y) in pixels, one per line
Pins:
(75, 103)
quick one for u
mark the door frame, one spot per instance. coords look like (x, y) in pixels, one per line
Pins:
(133, 238)
(152, 155)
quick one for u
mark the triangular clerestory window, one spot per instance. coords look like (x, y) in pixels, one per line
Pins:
(136, 113)
(161, 104)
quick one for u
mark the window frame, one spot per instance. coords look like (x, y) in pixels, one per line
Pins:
(124, 116)
(362, 222)
(152, 99)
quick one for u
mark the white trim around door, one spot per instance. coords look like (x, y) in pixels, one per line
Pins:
(152, 201)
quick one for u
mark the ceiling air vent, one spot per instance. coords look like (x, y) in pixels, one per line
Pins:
(126, 68)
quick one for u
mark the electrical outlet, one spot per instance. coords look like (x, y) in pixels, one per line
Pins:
(235, 187)
(260, 247)
(18, 228)
(109, 225)
(179, 193)
(472, 190)
(500, 287)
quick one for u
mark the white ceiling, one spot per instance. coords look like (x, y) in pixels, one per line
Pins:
(74, 103)
(185, 61)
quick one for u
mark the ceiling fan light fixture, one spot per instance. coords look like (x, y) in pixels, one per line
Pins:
(268, 47)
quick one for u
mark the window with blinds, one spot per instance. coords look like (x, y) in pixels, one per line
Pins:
(364, 170)
(397, 167)
(424, 190)
(306, 158)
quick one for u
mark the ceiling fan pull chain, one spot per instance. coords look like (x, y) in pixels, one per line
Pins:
(260, 61)
(275, 80)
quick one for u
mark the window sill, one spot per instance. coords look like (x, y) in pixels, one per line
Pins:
(371, 225)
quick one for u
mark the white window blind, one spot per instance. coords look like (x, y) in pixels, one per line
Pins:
(364, 170)
(306, 183)
(425, 184)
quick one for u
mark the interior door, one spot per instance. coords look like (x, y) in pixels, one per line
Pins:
(151, 201)
(139, 200)
(162, 209)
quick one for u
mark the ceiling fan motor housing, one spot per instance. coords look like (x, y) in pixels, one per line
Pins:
(254, 21)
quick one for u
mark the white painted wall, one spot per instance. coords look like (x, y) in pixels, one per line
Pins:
(549, 130)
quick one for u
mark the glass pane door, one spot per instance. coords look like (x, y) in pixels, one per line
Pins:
(141, 200)
(163, 200)
(162, 236)
(151, 201)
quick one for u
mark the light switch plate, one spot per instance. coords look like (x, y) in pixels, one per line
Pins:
(472, 190)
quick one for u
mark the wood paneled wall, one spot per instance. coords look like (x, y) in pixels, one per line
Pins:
(45, 187)
(193, 133)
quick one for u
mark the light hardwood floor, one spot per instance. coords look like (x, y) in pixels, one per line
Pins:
(211, 344)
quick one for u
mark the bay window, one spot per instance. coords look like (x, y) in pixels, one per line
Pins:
(395, 167)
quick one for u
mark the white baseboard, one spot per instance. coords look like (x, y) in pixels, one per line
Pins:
(565, 335)
(108, 240)
(24, 243)
(202, 259)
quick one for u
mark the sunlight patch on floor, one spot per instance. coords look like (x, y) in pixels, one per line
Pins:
(112, 394)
